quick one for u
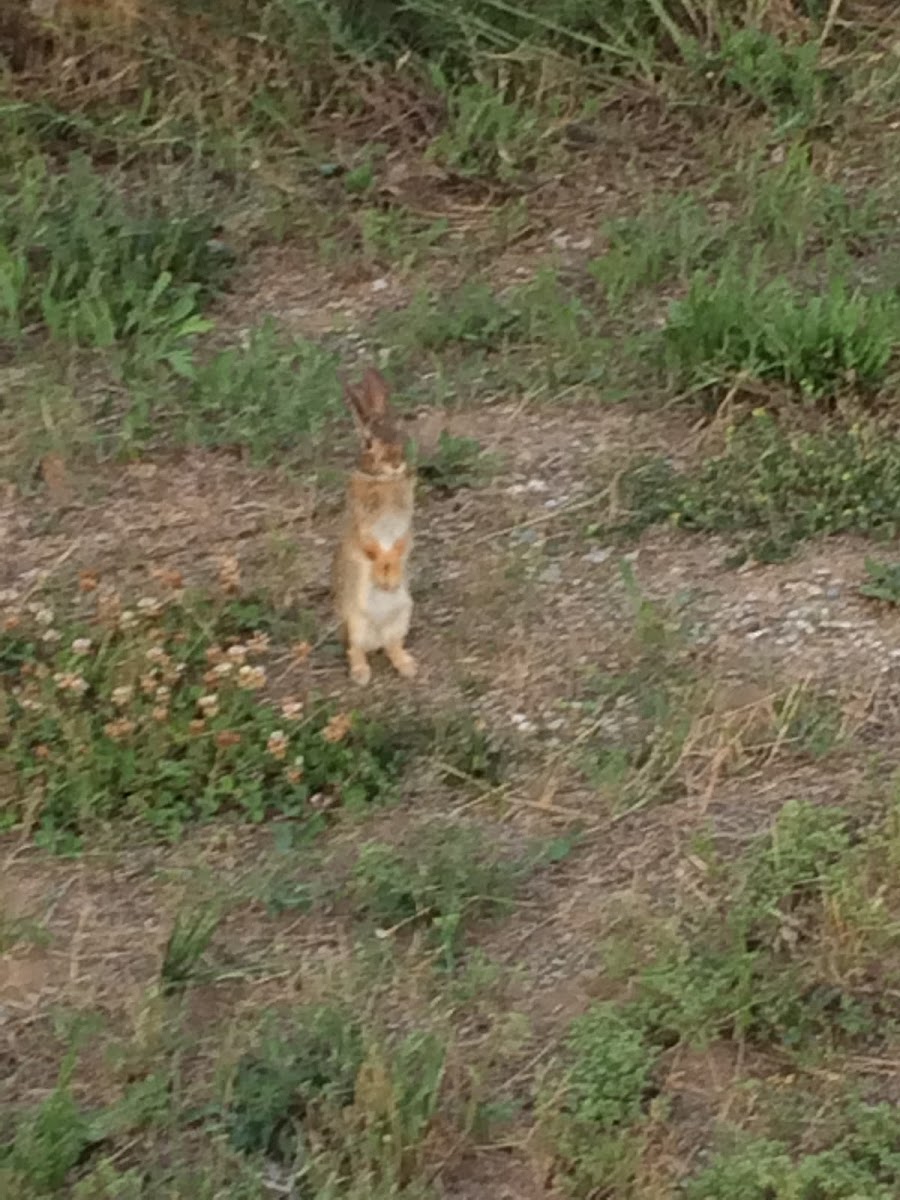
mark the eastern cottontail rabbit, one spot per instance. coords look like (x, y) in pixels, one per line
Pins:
(369, 573)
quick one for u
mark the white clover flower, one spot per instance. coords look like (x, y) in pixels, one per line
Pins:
(292, 710)
(119, 729)
(251, 678)
(69, 681)
(277, 744)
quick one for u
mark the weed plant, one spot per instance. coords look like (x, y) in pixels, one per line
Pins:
(96, 270)
(732, 325)
(159, 714)
(443, 881)
(774, 487)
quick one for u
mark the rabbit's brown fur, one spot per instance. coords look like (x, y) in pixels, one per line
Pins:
(369, 575)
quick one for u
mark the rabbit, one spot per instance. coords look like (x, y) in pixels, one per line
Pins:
(369, 573)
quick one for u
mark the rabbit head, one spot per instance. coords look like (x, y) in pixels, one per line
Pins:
(382, 450)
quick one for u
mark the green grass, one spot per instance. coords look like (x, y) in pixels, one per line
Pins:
(311, 1062)
(456, 463)
(468, 749)
(771, 487)
(272, 395)
(125, 261)
(597, 1107)
(488, 133)
(668, 241)
(189, 940)
(320, 1096)
(471, 316)
(785, 79)
(882, 581)
(794, 209)
(863, 1159)
(324, 1098)
(539, 334)
(443, 881)
(47, 1142)
(773, 217)
(732, 325)
(755, 966)
(749, 963)
(272, 398)
(391, 238)
(95, 270)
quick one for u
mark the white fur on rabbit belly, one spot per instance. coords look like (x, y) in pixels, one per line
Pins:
(387, 616)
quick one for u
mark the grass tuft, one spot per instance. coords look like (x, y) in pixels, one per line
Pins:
(271, 395)
(863, 1160)
(308, 1064)
(456, 463)
(595, 1111)
(189, 940)
(97, 271)
(775, 488)
(442, 881)
(730, 326)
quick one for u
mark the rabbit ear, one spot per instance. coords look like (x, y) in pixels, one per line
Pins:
(375, 390)
(356, 402)
(368, 403)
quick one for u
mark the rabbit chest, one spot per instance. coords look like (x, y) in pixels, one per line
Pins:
(389, 527)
